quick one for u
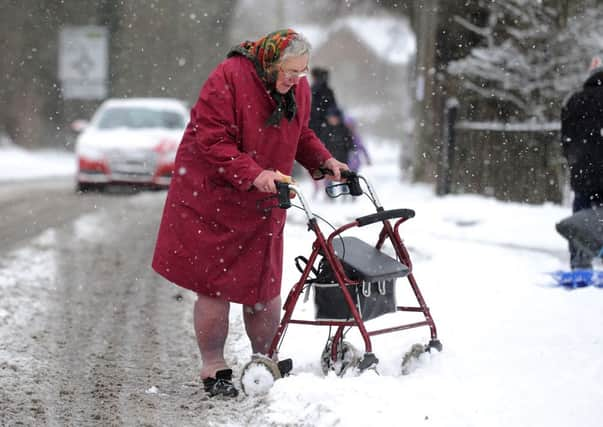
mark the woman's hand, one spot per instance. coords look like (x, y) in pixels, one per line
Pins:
(265, 180)
(336, 167)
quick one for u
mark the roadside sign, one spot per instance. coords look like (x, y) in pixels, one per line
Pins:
(84, 61)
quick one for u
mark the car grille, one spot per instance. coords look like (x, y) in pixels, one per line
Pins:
(133, 164)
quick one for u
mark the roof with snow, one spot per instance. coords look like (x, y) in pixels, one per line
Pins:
(151, 102)
(391, 38)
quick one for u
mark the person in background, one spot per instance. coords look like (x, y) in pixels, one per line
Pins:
(323, 99)
(582, 146)
(359, 153)
(336, 137)
(247, 127)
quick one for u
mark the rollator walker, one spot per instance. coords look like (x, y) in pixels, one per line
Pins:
(353, 282)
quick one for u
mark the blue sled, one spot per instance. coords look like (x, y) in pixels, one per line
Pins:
(578, 278)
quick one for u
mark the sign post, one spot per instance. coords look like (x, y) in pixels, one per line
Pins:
(84, 62)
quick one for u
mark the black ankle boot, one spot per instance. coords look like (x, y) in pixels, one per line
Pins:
(285, 366)
(221, 385)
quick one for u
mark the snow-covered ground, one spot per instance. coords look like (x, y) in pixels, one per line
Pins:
(517, 350)
(19, 164)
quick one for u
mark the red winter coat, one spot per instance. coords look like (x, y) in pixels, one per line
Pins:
(213, 239)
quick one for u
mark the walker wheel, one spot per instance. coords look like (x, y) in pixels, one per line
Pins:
(436, 344)
(347, 357)
(258, 375)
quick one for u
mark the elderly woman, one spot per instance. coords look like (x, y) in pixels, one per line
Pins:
(250, 121)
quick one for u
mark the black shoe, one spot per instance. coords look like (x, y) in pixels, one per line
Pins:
(285, 366)
(221, 385)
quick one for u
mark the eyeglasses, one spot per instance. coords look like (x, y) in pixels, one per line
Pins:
(294, 74)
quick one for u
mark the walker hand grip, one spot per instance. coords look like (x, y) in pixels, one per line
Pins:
(345, 174)
(326, 171)
(282, 190)
(383, 215)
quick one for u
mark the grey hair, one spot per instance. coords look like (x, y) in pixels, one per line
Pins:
(298, 46)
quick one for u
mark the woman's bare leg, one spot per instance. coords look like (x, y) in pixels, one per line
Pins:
(261, 324)
(211, 328)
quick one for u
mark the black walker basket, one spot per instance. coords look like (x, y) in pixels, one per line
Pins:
(375, 272)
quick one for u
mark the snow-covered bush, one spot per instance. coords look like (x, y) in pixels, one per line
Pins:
(528, 60)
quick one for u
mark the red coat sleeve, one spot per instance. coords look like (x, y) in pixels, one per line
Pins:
(217, 134)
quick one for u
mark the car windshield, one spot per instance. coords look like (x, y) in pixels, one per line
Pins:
(140, 118)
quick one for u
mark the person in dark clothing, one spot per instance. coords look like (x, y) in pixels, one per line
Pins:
(582, 145)
(336, 136)
(323, 99)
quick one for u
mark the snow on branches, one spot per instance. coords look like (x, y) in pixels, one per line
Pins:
(527, 61)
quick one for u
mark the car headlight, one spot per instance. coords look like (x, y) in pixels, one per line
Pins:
(91, 153)
(166, 149)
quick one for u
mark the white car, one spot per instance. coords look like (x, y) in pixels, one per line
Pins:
(131, 141)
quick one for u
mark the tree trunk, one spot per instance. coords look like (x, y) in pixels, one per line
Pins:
(425, 18)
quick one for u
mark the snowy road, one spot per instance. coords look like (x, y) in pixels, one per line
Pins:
(28, 208)
(86, 330)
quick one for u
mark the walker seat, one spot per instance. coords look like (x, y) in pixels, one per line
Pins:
(366, 263)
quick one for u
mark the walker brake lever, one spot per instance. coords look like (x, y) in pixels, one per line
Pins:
(352, 180)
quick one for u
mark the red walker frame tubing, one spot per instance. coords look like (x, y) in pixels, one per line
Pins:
(404, 256)
(327, 251)
(289, 306)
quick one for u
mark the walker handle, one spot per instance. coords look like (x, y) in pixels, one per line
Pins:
(384, 215)
(346, 174)
(282, 192)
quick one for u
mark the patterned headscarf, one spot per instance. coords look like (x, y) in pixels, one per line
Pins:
(264, 53)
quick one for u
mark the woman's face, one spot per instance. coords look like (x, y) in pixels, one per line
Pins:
(290, 71)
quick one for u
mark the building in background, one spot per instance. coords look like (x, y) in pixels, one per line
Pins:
(369, 60)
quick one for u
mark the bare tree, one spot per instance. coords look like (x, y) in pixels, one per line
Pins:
(163, 48)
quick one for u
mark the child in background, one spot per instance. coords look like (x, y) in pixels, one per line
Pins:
(359, 153)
